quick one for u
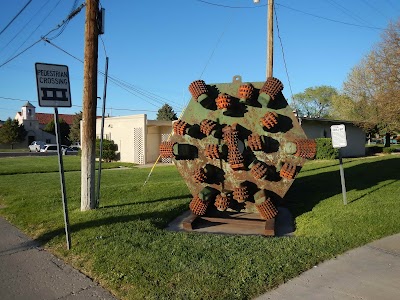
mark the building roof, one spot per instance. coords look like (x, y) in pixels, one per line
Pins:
(28, 104)
(327, 120)
(46, 118)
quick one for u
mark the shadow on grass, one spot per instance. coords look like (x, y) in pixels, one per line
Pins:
(159, 219)
(372, 191)
(334, 163)
(308, 191)
(146, 202)
(305, 193)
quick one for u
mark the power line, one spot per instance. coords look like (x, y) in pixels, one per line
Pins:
(136, 91)
(23, 51)
(16, 16)
(74, 11)
(26, 24)
(294, 9)
(78, 106)
(374, 8)
(283, 53)
(228, 6)
(215, 48)
(391, 4)
(104, 46)
(37, 27)
(70, 16)
(348, 12)
(328, 19)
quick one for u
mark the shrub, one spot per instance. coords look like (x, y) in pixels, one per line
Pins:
(109, 149)
(372, 150)
(388, 149)
(325, 149)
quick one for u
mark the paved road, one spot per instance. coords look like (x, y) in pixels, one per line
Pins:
(29, 272)
(16, 154)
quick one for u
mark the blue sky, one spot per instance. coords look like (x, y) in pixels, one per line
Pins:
(156, 48)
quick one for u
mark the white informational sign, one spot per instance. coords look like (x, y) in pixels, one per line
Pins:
(53, 85)
(338, 133)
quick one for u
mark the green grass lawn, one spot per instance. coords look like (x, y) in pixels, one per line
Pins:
(123, 244)
(46, 164)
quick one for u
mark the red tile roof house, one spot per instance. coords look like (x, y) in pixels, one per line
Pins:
(34, 124)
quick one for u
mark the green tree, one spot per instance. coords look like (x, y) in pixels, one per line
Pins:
(372, 89)
(11, 132)
(75, 131)
(166, 113)
(64, 130)
(315, 102)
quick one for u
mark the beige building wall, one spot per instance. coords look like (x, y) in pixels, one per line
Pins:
(157, 132)
(137, 138)
(129, 133)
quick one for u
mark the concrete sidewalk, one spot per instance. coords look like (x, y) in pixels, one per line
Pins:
(29, 272)
(369, 272)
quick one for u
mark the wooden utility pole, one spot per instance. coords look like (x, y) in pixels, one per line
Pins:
(270, 38)
(88, 132)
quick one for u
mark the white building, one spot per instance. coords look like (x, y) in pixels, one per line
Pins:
(138, 139)
(34, 123)
(321, 128)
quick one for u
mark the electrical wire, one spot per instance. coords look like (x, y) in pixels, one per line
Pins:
(229, 6)
(123, 84)
(74, 11)
(37, 27)
(26, 24)
(140, 93)
(374, 8)
(328, 19)
(104, 46)
(78, 106)
(215, 48)
(348, 12)
(283, 53)
(294, 9)
(70, 16)
(16, 16)
(23, 51)
(391, 4)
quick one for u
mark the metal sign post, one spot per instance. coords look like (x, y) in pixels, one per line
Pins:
(102, 133)
(339, 140)
(342, 180)
(62, 178)
(54, 91)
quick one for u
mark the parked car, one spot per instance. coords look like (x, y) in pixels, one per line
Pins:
(72, 150)
(52, 148)
(36, 146)
(76, 144)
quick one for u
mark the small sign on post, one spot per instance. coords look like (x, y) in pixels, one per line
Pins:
(54, 91)
(339, 140)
